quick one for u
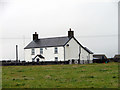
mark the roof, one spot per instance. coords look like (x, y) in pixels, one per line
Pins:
(40, 56)
(100, 56)
(48, 42)
(117, 56)
(53, 42)
(88, 50)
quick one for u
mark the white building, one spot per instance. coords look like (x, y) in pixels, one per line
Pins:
(57, 49)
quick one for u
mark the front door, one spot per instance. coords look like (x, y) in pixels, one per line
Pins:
(38, 59)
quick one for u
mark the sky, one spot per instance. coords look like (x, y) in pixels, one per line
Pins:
(94, 22)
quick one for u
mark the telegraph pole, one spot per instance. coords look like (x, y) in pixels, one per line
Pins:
(16, 53)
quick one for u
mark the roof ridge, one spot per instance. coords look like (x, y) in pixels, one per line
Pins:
(48, 42)
(53, 37)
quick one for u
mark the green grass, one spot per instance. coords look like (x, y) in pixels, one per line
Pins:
(61, 76)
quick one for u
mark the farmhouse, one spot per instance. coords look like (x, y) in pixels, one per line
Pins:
(57, 49)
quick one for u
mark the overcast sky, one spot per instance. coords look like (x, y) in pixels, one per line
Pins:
(95, 23)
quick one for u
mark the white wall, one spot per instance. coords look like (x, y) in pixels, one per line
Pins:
(28, 56)
(72, 51)
(91, 56)
(50, 56)
(48, 53)
(85, 55)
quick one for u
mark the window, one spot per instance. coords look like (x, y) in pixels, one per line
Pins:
(67, 45)
(56, 58)
(41, 50)
(56, 50)
(33, 51)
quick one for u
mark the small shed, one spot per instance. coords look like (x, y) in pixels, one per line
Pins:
(117, 58)
(100, 58)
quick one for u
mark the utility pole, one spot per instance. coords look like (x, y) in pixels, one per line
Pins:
(118, 27)
(23, 47)
(16, 53)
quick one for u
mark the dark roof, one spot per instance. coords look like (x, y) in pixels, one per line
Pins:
(117, 56)
(88, 50)
(53, 42)
(40, 56)
(100, 56)
(48, 42)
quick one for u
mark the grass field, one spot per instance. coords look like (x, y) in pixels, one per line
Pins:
(61, 76)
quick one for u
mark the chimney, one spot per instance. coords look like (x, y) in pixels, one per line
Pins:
(35, 36)
(70, 33)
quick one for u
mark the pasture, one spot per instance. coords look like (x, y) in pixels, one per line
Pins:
(61, 76)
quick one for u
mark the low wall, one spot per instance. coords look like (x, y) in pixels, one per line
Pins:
(14, 63)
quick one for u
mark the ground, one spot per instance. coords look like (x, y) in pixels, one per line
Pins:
(61, 76)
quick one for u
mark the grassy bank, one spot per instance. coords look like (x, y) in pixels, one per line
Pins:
(61, 76)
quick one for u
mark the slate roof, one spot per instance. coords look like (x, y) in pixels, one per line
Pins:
(88, 50)
(48, 42)
(40, 56)
(100, 56)
(52, 42)
(117, 56)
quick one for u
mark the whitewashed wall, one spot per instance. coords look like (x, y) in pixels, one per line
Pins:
(28, 56)
(72, 51)
(48, 53)
(91, 56)
(85, 55)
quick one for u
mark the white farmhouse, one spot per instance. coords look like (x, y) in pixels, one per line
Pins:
(56, 49)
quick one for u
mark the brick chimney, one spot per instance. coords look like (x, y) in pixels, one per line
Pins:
(70, 33)
(35, 36)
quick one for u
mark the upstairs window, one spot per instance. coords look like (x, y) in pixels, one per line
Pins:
(56, 50)
(41, 50)
(32, 51)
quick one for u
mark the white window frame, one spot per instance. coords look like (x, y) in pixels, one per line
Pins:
(41, 50)
(32, 51)
(56, 50)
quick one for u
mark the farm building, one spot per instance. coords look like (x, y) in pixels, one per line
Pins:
(57, 49)
(117, 58)
(99, 58)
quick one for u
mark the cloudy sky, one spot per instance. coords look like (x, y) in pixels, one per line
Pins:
(95, 23)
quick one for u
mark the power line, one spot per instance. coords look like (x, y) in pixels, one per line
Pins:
(95, 36)
(15, 38)
(85, 36)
